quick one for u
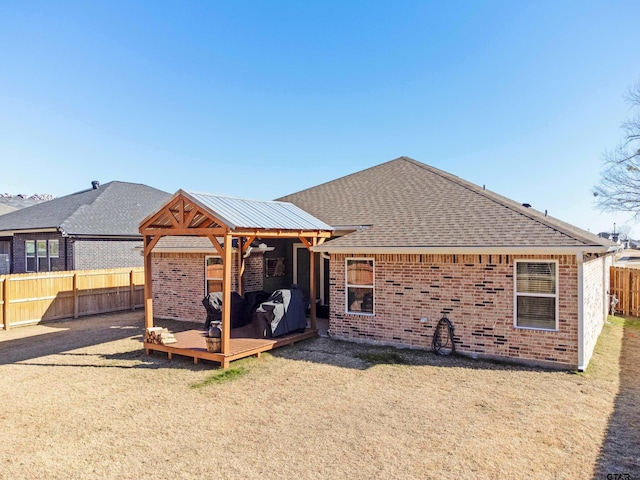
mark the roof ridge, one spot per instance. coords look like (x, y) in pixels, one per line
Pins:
(232, 197)
(345, 176)
(81, 208)
(501, 200)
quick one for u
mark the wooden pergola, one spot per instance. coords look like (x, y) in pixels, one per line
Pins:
(221, 219)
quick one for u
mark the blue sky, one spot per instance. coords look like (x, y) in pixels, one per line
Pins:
(262, 99)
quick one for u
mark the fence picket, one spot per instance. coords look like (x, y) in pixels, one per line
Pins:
(31, 298)
(625, 285)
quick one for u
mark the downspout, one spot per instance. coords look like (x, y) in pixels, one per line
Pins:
(580, 260)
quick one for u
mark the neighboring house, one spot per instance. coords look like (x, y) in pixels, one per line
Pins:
(413, 243)
(94, 228)
(6, 208)
(614, 237)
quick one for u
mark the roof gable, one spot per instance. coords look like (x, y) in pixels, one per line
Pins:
(405, 203)
(190, 210)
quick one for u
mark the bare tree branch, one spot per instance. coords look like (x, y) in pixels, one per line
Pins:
(619, 187)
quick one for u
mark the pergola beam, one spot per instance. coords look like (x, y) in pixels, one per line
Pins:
(275, 233)
(185, 232)
(216, 245)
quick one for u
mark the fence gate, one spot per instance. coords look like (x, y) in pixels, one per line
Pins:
(625, 285)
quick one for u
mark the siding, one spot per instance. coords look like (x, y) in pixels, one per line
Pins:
(595, 302)
(91, 254)
(476, 294)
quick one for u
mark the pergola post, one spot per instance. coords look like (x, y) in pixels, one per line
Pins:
(148, 288)
(240, 261)
(226, 292)
(312, 284)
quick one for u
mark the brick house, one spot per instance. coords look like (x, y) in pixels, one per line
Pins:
(515, 282)
(91, 229)
(412, 243)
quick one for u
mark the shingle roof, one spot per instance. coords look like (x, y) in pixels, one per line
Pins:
(241, 212)
(113, 209)
(405, 203)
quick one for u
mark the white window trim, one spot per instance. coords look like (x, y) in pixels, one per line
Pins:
(26, 257)
(49, 256)
(526, 294)
(347, 285)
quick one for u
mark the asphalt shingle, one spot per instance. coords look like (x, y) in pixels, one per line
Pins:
(115, 208)
(405, 203)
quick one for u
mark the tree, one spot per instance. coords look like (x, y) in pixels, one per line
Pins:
(623, 232)
(619, 187)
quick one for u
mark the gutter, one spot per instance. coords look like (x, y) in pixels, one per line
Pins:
(580, 260)
(468, 250)
(11, 233)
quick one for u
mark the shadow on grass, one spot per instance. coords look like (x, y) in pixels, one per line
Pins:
(362, 356)
(620, 451)
(56, 337)
(63, 337)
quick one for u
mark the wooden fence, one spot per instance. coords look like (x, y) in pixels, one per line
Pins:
(624, 283)
(33, 297)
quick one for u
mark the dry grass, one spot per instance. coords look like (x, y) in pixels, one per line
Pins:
(81, 400)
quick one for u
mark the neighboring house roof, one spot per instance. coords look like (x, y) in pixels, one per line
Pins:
(253, 214)
(6, 209)
(112, 209)
(405, 204)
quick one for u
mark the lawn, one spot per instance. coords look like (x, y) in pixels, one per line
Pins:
(81, 400)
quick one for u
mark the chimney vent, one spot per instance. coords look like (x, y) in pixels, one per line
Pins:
(95, 184)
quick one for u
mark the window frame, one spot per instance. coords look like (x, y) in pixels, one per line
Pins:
(37, 258)
(44, 257)
(27, 257)
(555, 295)
(347, 285)
(53, 241)
(206, 277)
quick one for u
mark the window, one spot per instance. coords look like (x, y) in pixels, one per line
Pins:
(536, 295)
(43, 265)
(54, 256)
(30, 251)
(42, 255)
(213, 274)
(360, 286)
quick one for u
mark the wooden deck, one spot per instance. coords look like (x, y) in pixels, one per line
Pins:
(191, 343)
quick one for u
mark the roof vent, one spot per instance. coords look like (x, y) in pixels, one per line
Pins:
(95, 184)
(526, 205)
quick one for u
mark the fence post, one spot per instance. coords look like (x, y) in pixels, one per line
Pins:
(75, 295)
(5, 303)
(132, 302)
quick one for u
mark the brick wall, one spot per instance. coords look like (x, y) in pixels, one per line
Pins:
(91, 254)
(179, 283)
(595, 301)
(476, 294)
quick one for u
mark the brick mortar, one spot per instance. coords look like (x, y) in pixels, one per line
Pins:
(179, 283)
(475, 292)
